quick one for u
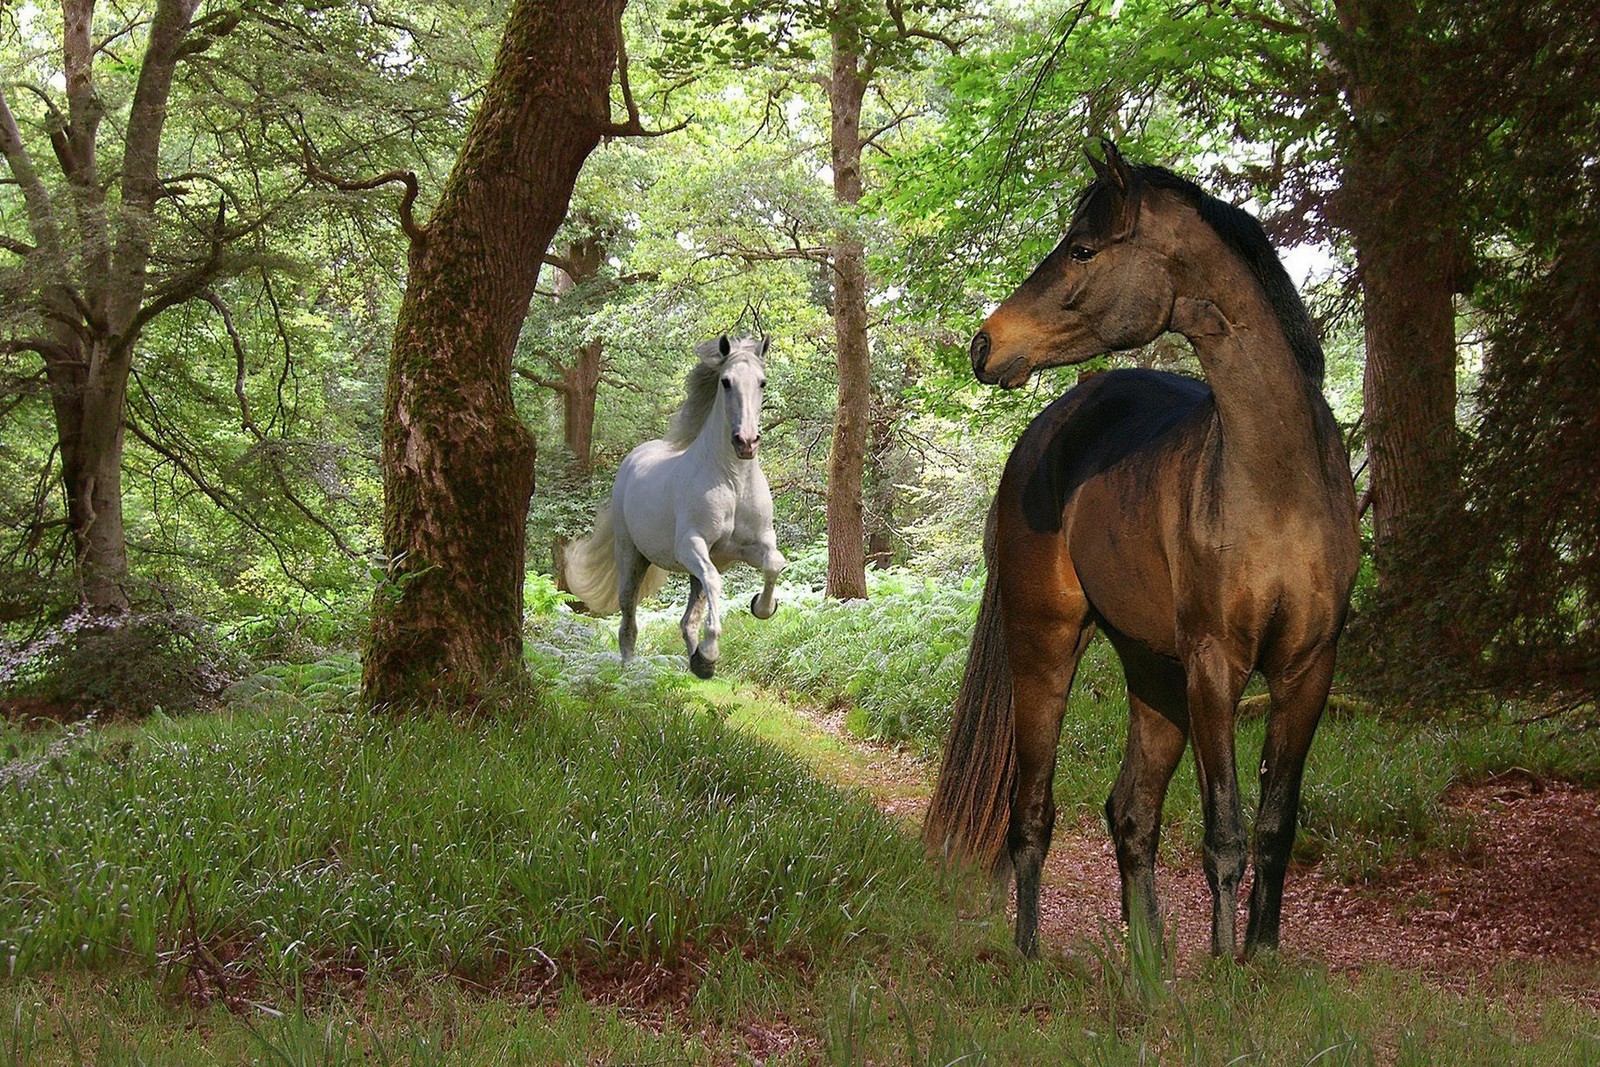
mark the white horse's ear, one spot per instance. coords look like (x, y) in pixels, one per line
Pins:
(766, 342)
(723, 346)
(712, 352)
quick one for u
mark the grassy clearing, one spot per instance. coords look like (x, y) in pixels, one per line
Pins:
(606, 822)
(929, 1005)
(423, 892)
(1376, 782)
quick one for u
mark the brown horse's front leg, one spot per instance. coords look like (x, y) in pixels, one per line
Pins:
(1215, 683)
(1298, 698)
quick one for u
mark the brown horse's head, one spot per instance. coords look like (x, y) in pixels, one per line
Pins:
(1108, 286)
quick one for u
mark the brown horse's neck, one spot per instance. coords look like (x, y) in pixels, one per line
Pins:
(1265, 405)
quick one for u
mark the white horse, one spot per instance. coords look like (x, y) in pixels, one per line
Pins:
(694, 502)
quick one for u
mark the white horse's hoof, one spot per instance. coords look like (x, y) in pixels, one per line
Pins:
(755, 608)
(700, 666)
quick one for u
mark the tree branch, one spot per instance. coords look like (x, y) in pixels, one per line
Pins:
(408, 222)
(41, 217)
(870, 140)
(224, 500)
(546, 383)
(634, 126)
(18, 389)
(561, 263)
(186, 288)
(48, 350)
(897, 13)
(208, 31)
(248, 422)
(21, 248)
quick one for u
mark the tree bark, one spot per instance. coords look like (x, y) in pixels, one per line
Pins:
(847, 571)
(579, 384)
(1398, 199)
(457, 462)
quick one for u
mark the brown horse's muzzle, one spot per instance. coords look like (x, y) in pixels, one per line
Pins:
(1007, 373)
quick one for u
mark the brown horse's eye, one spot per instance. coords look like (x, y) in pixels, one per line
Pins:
(1081, 253)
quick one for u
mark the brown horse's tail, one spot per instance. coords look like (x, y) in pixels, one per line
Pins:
(970, 812)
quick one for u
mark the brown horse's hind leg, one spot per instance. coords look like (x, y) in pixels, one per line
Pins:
(1215, 682)
(1297, 702)
(1158, 729)
(1044, 652)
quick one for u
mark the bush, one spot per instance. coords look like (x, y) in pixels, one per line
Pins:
(122, 665)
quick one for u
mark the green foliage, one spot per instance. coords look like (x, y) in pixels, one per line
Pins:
(599, 819)
(126, 665)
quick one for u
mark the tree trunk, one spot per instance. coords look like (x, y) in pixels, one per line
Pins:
(89, 431)
(1410, 391)
(580, 381)
(847, 571)
(91, 277)
(1398, 197)
(579, 384)
(881, 543)
(457, 462)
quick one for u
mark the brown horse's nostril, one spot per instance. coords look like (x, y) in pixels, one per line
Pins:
(980, 351)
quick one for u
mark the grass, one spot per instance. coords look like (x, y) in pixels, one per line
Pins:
(1376, 782)
(619, 824)
(293, 882)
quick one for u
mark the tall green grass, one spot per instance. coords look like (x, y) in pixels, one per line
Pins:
(601, 820)
(598, 817)
(895, 658)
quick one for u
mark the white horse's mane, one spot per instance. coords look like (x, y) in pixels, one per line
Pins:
(700, 387)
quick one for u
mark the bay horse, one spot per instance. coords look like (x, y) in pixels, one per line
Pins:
(1209, 529)
(693, 502)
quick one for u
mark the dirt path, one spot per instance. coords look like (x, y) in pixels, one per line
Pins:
(1521, 905)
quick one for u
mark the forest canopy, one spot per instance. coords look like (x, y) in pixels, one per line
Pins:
(219, 224)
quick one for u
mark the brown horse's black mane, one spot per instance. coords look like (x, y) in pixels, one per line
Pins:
(1240, 231)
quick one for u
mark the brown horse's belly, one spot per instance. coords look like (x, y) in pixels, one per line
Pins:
(1120, 557)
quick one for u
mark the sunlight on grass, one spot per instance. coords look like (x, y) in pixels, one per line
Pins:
(296, 883)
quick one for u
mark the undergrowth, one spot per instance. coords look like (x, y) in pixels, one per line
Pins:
(1376, 783)
(593, 820)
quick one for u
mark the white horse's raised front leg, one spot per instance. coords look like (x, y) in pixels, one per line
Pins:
(696, 559)
(771, 562)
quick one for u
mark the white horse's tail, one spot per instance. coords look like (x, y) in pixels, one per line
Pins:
(592, 569)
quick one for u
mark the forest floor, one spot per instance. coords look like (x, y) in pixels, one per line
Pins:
(1523, 891)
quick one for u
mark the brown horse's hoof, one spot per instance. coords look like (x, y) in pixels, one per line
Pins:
(700, 666)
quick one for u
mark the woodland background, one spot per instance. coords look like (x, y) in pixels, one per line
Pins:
(258, 258)
(198, 313)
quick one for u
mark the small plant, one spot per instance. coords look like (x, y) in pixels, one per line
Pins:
(130, 664)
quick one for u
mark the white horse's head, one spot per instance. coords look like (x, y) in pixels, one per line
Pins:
(741, 379)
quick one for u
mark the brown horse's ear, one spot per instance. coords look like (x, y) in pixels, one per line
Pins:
(1123, 182)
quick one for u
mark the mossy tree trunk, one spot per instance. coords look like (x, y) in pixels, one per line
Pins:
(457, 462)
(847, 88)
(1401, 191)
